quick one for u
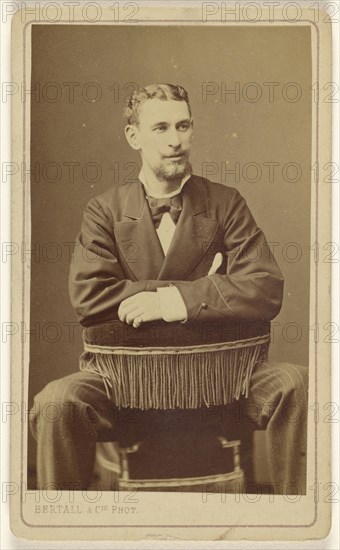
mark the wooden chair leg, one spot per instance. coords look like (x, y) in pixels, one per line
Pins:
(247, 456)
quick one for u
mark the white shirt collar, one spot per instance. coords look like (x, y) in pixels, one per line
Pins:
(160, 196)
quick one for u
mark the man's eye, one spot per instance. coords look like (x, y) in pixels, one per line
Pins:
(160, 129)
(184, 127)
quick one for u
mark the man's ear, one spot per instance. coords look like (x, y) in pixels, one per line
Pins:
(132, 136)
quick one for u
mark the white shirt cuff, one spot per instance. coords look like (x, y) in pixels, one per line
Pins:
(173, 307)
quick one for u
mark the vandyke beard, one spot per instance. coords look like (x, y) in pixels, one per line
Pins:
(174, 173)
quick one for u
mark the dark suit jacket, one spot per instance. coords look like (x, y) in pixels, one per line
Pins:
(118, 254)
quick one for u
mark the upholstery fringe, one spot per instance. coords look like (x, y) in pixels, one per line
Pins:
(172, 378)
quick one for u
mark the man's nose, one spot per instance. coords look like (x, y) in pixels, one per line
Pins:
(174, 138)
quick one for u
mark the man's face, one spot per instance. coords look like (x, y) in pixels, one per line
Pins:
(164, 138)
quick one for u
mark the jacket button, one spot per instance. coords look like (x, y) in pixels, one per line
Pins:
(204, 305)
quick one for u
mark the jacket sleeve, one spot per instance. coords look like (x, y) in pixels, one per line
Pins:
(252, 287)
(97, 284)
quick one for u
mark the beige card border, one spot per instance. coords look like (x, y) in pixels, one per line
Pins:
(313, 510)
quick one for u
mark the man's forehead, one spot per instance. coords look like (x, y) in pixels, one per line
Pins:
(159, 110)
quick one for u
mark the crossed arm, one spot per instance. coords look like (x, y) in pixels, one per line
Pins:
(100, 289)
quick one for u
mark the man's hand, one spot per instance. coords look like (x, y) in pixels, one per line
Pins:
(140, 308)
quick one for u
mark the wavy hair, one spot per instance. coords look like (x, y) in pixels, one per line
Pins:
(165, 92)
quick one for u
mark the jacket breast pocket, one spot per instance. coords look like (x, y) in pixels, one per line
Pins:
(213, 258)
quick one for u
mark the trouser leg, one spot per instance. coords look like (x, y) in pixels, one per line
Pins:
(68, 417)
(71, 414)
(277, 401)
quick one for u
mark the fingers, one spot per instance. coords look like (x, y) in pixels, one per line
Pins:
(130, 316)
(129, 300)
(136, 298)
(140, 308)
(137, 321)
(135, 314)
(126, 308)
(130, 310)
(134, 317)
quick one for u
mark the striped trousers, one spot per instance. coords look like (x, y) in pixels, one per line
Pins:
(71, 414)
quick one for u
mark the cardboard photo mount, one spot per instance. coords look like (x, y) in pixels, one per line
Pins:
(53, 515)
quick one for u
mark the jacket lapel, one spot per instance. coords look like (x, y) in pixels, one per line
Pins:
(137, 238)
(139, 244)
(193, 235)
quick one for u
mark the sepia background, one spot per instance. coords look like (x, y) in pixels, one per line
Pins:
(260, 132)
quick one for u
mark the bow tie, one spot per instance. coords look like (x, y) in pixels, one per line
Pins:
(158, 207)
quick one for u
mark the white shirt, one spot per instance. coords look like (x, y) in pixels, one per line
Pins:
(173, 307)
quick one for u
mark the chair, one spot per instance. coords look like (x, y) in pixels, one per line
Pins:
(172, 453)
(168, 372)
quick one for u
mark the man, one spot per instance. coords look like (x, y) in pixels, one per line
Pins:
(173, 252)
